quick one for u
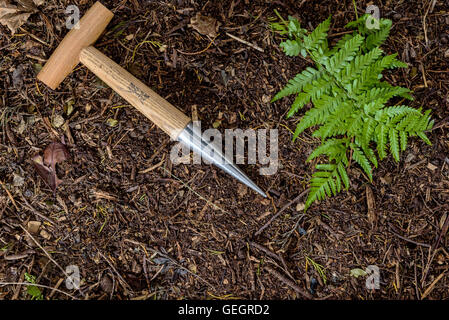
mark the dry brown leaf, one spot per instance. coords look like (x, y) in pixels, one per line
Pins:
(46, 167)
(207, 26)
(55, 152)
(14, 16)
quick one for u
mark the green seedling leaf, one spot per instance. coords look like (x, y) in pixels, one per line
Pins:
(358, 273)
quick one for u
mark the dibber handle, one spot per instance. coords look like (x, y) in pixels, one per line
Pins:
(153, 106)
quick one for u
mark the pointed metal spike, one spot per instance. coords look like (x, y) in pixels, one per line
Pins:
(213, 154)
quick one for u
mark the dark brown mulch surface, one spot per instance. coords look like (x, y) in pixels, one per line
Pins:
(189, 231)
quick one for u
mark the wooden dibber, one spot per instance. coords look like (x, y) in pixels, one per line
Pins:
(77, 47)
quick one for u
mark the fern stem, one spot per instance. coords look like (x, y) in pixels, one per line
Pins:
(355, 9)
(280, 17)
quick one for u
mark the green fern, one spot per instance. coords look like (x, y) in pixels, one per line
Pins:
(349, 111)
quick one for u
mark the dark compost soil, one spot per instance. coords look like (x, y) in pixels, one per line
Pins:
(139, 227)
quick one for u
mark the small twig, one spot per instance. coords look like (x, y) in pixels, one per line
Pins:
(198, 52)
(29, 207)
(443, 232)
(432, 285)
(157, 165)
(429, 8)
(433, 250)
(271, 254)
(9, 195)
(115, 270)
(288, 282)
(280, 211)
(34, 37)
(267, 251)
(249, 44)
(409, 240)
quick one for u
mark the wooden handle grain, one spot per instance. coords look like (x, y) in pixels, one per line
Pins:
(153, 106)
(66, 56)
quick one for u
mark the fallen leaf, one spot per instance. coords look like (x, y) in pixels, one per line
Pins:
(14, 16)
(18, 180)
(207, 26)
(111, 122)
(68, 108)
(21, 127)
(17, 77)
(358, 273)
(46, 167)
(55, 152)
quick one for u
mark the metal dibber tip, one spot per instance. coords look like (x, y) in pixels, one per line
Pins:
(213, 154)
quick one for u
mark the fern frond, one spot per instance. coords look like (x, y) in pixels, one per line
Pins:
(394, 143)
(373, 107)
(349, 105)
(335, 123)
(370, 76)
(423, 136)
(377, 38)
(326, 181)
(318, 36)
(359, 22)
(344, 55)
(359, 64)
(291, 48)
(367, 132)
(370, 155)
(359, 157)
(296, 84)
(311, 91)
(381, 140)
(397, 64)
(300, 101)
(355, 124)
(403, 139)
(324, 107)
(333, 148)
(384, 93)
(396, 111)
(340, 44)
(294, 28)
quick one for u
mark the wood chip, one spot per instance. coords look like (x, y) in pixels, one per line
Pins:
(300, 206)
(44, 234)
(33, 226)
(372, 217)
